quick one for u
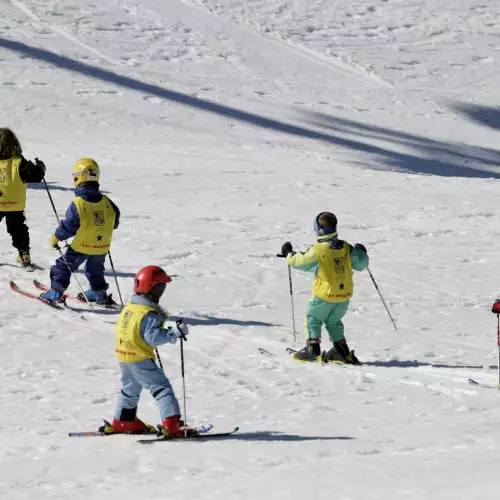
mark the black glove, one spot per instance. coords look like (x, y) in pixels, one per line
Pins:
(360, 246)
(286, 249)
(40, 164)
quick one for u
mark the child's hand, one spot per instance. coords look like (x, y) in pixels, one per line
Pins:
(181, 330)
(54, 241)
(286, 249)
(361, 247)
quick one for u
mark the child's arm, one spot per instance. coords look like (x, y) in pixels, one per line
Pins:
(31, 172)
(117, 214)
(304, 261)
(154, 334)
(69, 226)
(359, 257)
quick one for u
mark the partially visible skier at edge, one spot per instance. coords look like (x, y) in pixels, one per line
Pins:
(333, 261)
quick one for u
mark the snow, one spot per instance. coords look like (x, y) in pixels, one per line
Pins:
(222, 129)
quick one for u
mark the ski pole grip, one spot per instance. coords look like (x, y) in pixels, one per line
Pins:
(178, 323)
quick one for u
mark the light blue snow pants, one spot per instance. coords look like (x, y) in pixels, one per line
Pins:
(330, 314)
(146, 374)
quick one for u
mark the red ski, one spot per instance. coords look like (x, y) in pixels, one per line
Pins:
(58, 305)
(111, 305)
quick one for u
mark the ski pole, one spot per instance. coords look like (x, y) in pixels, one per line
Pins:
(382, 298)
(58, 247)
(50, 198)
(159, 359)
(291, 298)
(498, 345)
(116, 279)
(183, 338)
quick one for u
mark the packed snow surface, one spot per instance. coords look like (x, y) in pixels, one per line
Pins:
(222, 128)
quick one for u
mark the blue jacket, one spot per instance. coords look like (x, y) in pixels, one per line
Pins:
(151, 330)
(69, 226)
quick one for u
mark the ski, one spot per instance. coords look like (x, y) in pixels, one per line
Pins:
(100, 433)
(77, 298)
(480, 384)
(201, 435)
(19, 290)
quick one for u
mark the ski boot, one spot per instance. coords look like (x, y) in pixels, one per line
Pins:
(53, 296)
(127, 427)
(340, 354)
(310, 353)
(174, 427)
(98, 297)
(24, 259)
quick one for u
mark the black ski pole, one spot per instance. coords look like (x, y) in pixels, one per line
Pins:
(382, 298)
(183, 338)
(291, 298)
(159, 359)
(116, 278)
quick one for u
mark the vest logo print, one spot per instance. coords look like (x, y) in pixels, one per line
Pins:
(339, 265)
(127, 315)
(99, 219)
(3, 176)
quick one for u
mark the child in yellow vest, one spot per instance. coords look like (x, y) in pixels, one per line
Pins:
(15, 173)
(91, 219)
(139, 330)
(333, 261)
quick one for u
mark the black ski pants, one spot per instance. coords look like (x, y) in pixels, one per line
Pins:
(17, 228)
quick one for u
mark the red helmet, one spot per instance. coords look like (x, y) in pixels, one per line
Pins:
(148, 277)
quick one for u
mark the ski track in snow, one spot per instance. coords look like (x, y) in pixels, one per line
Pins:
(212, 197)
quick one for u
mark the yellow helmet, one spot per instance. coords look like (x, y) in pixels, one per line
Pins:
(85, 170)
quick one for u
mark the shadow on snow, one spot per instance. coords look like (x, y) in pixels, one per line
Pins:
(428, 156)
(52, 186)
(422, 155)
(416, 364)
(484, 115)
(279, 436)
(206, 320)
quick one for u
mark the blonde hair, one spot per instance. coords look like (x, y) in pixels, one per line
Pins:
(9, 144)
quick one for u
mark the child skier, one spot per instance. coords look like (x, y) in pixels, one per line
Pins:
(332, 260)
(15, 173)
(91, 219)
(138, 331)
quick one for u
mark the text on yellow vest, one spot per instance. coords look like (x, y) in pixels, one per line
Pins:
(130, 348)
(333, 281)
(97, 221)
(12, 188)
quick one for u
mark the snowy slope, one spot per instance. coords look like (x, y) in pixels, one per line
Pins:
(222, 129)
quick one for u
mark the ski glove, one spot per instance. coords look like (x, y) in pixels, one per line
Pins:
(286, 249)
(181, 330)
(54, 241)
(361, 247)
(496, 307)
(39, 163)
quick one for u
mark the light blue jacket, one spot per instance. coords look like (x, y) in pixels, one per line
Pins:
(151, 330)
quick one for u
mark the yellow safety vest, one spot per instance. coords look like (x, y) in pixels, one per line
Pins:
(334, 276)
(12, 188)
(97, 222)
(130, 348)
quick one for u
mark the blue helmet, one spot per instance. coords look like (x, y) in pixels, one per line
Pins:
(330, 228)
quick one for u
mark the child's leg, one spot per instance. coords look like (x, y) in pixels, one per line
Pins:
(151, 377)
(94, 271)
(317, 312)
(126, 408)
(18, 230)
(333, 321)
(60, 275)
